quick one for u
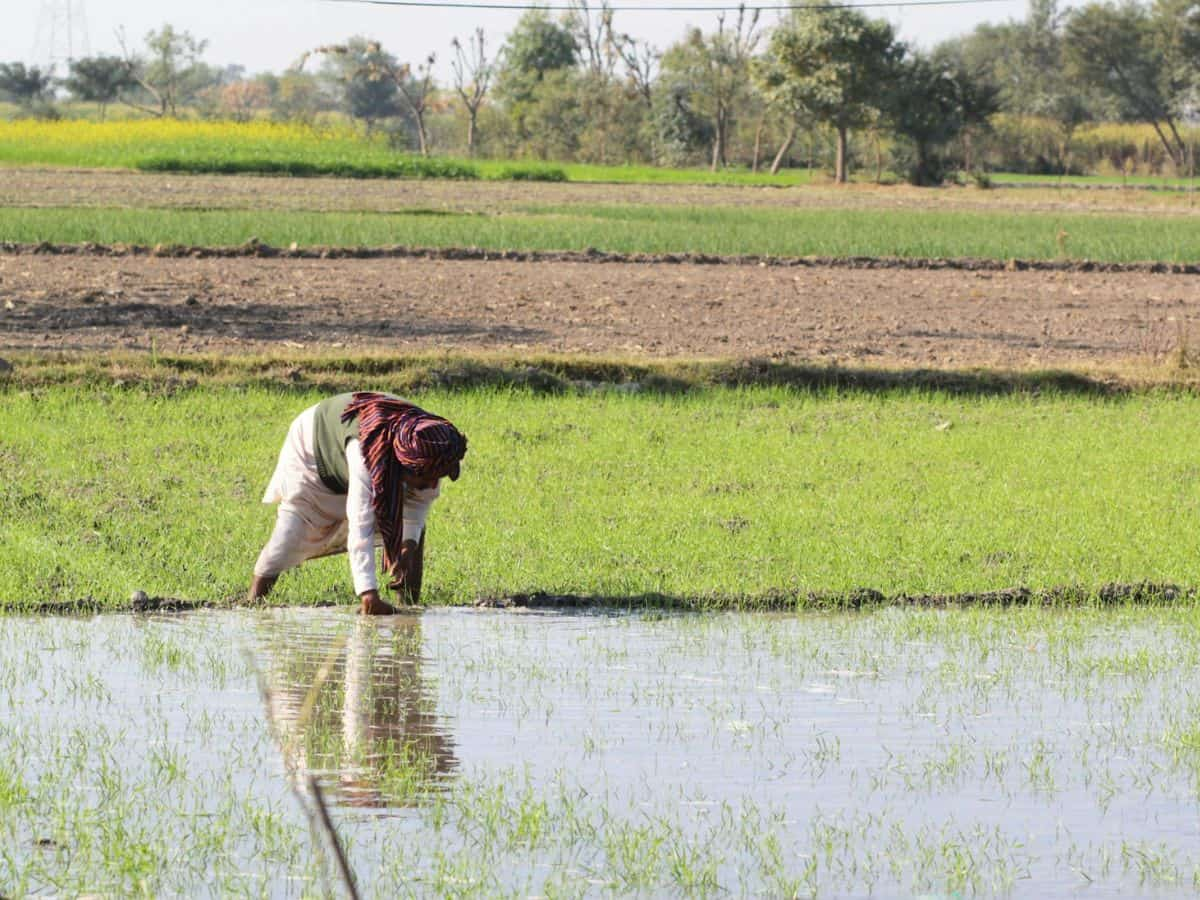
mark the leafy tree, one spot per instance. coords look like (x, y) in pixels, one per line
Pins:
(713, 72)
(681, 130)
(931, 104)
(834, 63)
(99, 79)
(26, 85)
(784, 100)
(554, 118)
(297, 97)
(356, 67)
(1143, 58)
(535, 48)
(536, 45)
(1025, 61)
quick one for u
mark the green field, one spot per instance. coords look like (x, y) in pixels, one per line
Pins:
(269, 148)
(719, 496)
(644, 229)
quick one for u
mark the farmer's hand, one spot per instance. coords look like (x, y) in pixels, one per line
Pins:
(372, 605)
(408, 572)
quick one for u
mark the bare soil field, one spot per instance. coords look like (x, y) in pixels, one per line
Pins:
(877, 316)
(38, 187)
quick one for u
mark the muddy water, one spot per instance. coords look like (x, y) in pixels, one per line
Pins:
(1027, 753)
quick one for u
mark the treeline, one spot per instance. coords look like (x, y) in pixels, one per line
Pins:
(825, 86)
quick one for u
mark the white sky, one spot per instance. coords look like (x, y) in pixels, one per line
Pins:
(271, 34)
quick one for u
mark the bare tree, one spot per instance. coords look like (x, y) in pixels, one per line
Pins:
(729, 55)
(473, 73)
(593, 33)
(416, 92)
(641, 64)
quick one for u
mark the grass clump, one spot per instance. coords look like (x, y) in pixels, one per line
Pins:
(404, 167)
(529, 173)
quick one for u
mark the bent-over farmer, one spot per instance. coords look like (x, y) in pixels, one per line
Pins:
(358, 470)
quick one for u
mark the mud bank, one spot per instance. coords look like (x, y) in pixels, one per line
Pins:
(1143, 592)
(258, 250)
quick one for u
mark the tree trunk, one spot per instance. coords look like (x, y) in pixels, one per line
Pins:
(758, 133)
(471, 134)
(839, 171)
(1181, 160)
(422, 138)
(785, 147)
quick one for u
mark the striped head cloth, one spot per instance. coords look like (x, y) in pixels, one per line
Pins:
(398, 439)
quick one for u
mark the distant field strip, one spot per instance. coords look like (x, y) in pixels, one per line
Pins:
(644, 229)
(709, 497)
(265, 147)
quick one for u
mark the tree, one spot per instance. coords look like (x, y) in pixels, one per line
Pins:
(240, 100)
(417, 92)
(931, 104)
(173, 71)
(714, 73)
(681, 130)
(535, 48)
(1144, 59)
(472, 77)
(99, 80)
(641, 61)
(594, 39)
(26, 85)
(834, 63)
(355, 68)
(784, 99)
(298, 97)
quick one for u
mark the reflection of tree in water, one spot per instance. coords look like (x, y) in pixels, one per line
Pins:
(354, 710)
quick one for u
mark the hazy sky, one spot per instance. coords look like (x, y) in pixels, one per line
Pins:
(271, 34)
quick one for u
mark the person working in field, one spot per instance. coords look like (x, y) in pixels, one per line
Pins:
(356, 470)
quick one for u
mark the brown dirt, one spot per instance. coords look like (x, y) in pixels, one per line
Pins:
(876, 316)
(46, 187)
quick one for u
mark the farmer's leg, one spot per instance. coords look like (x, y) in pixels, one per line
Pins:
(290, 545)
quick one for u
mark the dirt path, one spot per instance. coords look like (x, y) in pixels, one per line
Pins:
(905, 317)
(34, 187)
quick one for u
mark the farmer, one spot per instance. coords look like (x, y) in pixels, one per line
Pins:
(357, 470)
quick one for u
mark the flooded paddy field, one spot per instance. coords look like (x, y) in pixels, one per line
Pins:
(1024, 752)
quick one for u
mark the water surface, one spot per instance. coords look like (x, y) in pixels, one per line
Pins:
(1022, 752)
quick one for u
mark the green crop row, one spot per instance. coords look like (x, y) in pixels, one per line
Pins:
(909, 233)
(716, 497)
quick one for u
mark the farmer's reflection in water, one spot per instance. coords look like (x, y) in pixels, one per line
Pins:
(355, 711)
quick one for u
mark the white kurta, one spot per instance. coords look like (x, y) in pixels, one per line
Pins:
(313, 521)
